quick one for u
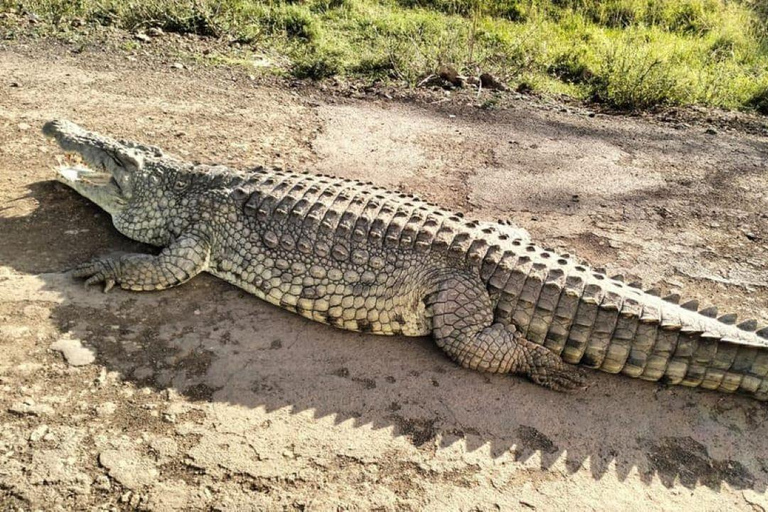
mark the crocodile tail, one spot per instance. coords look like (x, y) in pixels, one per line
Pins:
(660, 340)
(603, 323)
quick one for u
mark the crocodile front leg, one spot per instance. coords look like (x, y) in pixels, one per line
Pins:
(462, 324)
(186, 257)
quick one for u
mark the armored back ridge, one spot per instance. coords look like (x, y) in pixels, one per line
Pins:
(363, 258)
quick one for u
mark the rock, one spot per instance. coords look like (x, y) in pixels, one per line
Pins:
(673, 282)
(15, 84)
(488, 81)
(106, 409)
(24, 126)
(140, 36)
(129, 468)
(29, 407)
(102, 483)
(38, 433)
(155, 32)
(74, 352)
(177, 65)
(450, 75)
(711, 131)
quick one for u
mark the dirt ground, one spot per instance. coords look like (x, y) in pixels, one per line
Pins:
(204, 398)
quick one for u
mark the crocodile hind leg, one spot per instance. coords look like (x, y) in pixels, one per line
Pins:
(462, 325)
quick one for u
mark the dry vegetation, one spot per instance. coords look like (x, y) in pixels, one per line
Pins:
(629, 54)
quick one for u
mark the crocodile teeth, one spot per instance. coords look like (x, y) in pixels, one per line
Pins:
(674, 298)
(691, 305)
(748, 325)
(729, 318)
(710, 312)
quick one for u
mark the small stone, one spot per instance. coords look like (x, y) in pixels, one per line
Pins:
(74, 352)
(489, 81)
(155, 32)
(711, 131)
(673, 282)
(101, 380)
(106, 409)
(169, 417)
(450, 75)
(177, 65)
(38, 433)
(144, 38)
(102, 483)
(29, 407)
(15, 84)
(24, 126)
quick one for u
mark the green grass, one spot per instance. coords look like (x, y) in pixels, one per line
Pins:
(629, 54)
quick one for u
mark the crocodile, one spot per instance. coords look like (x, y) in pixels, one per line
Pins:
(362, 258)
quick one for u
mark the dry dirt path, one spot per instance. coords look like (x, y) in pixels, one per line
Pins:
(202, 397)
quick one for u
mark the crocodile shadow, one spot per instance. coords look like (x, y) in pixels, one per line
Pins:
(214, 343)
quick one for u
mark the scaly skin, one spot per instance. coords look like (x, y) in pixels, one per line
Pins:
(362, 258)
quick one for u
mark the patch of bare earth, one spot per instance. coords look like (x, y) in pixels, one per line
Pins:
(203, 397)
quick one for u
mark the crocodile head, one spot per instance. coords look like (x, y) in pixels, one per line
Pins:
(132, 182)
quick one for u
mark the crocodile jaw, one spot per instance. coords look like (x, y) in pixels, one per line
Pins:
(98, 168)
(99, 187)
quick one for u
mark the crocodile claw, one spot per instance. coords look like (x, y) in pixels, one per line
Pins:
(99, 270)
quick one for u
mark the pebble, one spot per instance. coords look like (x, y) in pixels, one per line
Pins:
(144, 38)
(29, 407)
(106, 409)
(102, 483)
(177, 65)
(74, 352)
(24, 126)
(38, 433)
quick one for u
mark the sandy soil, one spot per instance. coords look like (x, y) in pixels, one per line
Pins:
(203, 397)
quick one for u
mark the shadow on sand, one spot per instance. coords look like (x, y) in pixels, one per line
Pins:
(213, 342)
